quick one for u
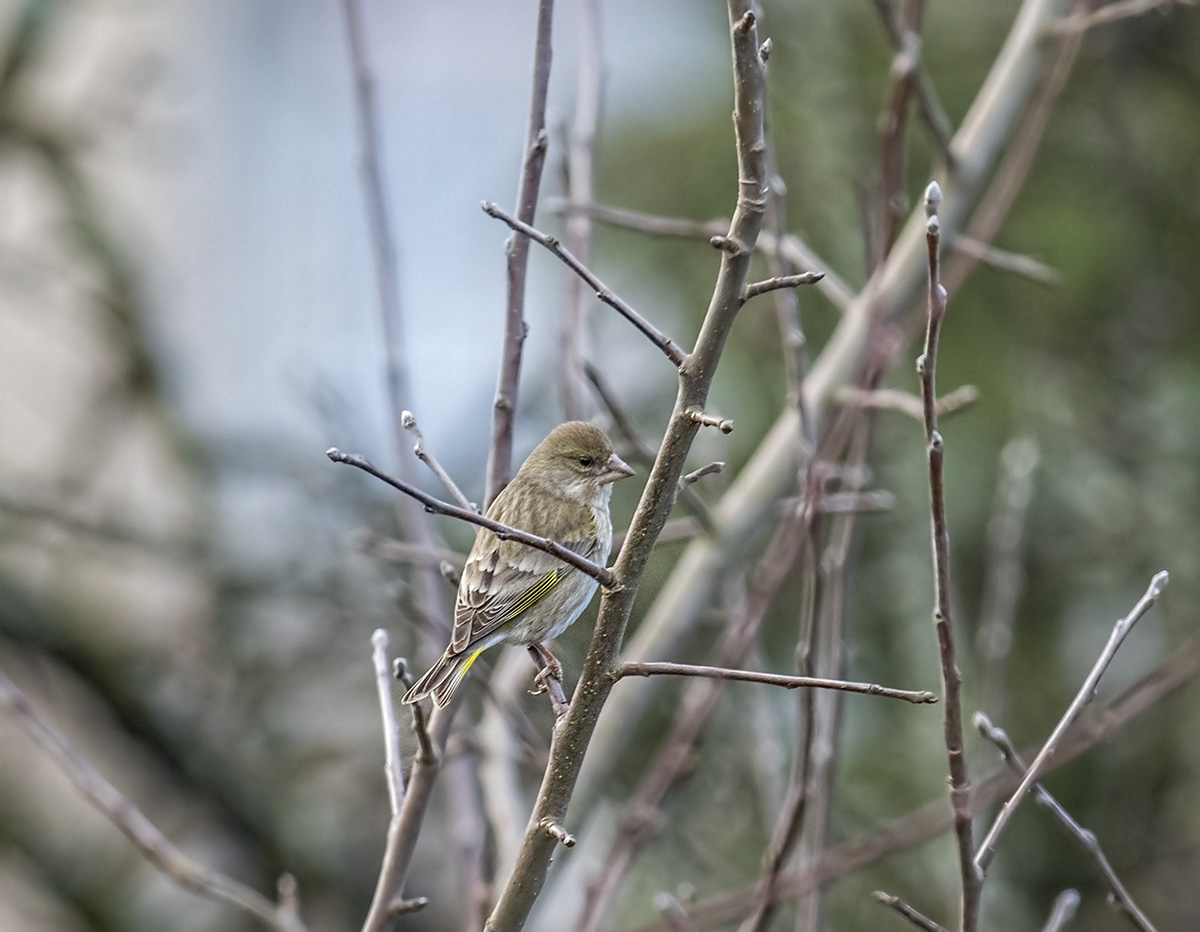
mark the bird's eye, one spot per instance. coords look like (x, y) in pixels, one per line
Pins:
(587, 462)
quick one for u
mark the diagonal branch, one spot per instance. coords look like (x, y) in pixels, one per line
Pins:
(987, 847)
(669, 347)
(155, 847)
(503, 531)
(1119, 897)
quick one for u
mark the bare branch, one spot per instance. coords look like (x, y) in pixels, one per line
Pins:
(1119, 897)
(668, 346)
(987, 847)
(894, 902)
(696, 475)
(770, 472)
(391, 730)
(426, 752)
(1082, 21)
(409, 422)
(1025, 266)
(789, 247)
(503, 531)
(504, 408)
(933, 818)
(1002, 583)
(573, 731)
(580, 187)
(155, 847)
(771, 679)
(1063, 911)
(929, 107)
(754, 289)
(891, 399)
(960, 790)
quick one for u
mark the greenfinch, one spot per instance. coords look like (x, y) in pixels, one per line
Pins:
(511, 593)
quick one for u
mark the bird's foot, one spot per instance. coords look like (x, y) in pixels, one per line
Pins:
(548, 679)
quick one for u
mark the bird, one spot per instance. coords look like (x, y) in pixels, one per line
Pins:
(512, 593)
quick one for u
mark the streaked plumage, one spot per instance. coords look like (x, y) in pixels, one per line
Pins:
(513, 593)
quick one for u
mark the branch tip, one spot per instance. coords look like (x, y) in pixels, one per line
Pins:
(933, 199)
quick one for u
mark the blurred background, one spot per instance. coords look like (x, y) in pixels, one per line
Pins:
(189, 318)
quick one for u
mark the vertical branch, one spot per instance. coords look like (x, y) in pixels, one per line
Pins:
(960, 791)
(406, 822)
(1002, 585)
(573, 731)
(504, 407)
(580, 190)
(895, 121)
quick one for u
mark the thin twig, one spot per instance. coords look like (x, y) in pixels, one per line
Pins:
(391, 730)
(754, 289)
(383, 243)
(1119, 897)
(916, 918)
(789, 247)
(1025, 266)
(503, 531)
(1003, 581)
(1063, 911)
(960, 790)
(426, 752)
(581, 183)
(668, 346)
(929, 107)
(673, 913)
(770, 471)
(409, 422)
(696, 475)
(987, 848)
(629, 668)
(892, 399)
(1081, 22)
(504, 408)
(933, 818)
(894, 122)
(155, 847)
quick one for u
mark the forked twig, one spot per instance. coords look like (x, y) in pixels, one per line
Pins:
(987, 848)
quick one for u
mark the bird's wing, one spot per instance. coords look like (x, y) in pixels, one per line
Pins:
(504, 578)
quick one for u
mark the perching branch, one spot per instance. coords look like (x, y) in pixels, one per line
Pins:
(960, 790)
(771, 679)
(503, 531)
(504, 408)
(1118, 896)
(987, 848)
(573, 731)
(770, 472)
(669, 347)
(155, 847)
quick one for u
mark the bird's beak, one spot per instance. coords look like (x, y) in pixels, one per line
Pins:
(616, 468)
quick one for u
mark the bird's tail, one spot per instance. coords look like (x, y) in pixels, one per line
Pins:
(443, 678)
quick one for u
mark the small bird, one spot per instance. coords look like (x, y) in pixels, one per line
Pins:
(515, 594)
